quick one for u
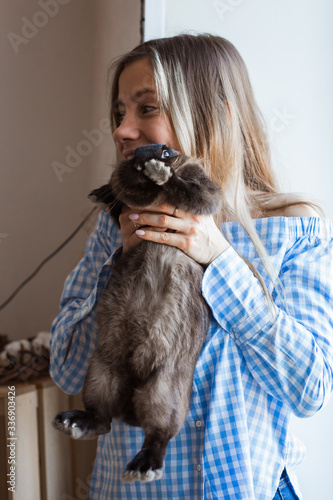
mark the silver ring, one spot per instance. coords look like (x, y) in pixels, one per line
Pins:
(136, 225)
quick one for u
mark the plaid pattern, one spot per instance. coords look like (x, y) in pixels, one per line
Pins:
(257, 366)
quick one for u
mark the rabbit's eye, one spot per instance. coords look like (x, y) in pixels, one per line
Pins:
(165, 153)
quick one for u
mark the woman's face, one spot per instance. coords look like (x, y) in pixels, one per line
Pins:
(141, 120)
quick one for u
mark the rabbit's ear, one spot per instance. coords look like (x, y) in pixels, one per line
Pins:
(103, 196)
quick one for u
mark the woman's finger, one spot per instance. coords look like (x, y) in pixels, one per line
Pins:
(159, 220)
(164, 208)
(127, 228)
(172, 239)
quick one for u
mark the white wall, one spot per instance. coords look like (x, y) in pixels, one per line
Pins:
(287, 46)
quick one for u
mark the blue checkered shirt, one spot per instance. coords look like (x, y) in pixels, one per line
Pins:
(255, 369)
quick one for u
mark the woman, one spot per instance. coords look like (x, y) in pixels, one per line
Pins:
(267, 280)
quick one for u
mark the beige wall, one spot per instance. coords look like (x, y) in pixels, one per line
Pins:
(52, 89)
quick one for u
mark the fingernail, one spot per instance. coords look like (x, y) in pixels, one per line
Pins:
(133, 216)
(139, 232)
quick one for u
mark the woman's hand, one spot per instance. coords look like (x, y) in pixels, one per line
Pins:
(196, 235)
(128, 228)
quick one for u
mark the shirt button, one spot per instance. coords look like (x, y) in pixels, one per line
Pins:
(85, 309)
(199, 468)
(198, 423)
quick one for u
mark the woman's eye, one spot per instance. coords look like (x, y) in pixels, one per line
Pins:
(165, 153)
(119, 117)
(147, 109)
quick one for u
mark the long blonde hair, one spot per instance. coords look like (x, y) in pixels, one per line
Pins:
(204, 88)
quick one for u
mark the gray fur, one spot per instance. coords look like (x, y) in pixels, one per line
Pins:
(152, 319)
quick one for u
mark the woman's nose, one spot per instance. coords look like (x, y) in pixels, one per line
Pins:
(128, 129)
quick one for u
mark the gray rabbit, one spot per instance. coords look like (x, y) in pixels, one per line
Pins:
(152, 319)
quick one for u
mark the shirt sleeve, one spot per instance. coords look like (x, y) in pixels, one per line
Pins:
(288, 346)
(73, 332)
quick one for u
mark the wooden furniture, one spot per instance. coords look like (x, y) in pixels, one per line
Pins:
(23, 446)
(48, 464)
